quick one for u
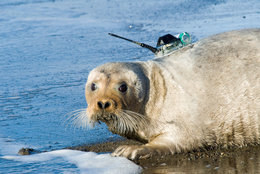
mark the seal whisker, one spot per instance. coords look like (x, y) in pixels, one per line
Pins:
(126, 123)
(123, 121)
(122, 124)
(78, 118)
(70, 117)
(129, 121)
(138, 118)
(130, 127)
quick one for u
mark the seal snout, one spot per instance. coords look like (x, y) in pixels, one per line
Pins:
(102, 105)
(106, 105)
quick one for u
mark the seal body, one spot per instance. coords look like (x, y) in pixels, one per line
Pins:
(205, 94)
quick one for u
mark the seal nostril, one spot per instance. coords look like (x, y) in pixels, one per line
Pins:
(100, 105)
(107, 104)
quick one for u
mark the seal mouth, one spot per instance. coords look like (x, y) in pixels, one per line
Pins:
(103, 117)
(110, 119)
(123, 122)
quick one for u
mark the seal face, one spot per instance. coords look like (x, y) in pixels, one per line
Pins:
(206, 94)
(116, 93)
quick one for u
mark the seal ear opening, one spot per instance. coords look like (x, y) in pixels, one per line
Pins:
(139, 91)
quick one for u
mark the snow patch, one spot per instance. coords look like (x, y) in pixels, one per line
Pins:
(87, 162)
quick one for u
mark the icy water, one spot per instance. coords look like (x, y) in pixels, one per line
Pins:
(47, 49)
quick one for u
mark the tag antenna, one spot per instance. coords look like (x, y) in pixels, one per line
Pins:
(153, 49)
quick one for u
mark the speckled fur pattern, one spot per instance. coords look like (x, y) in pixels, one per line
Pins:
(205, 94)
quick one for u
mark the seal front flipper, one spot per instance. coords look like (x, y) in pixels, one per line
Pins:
(159, 147)
(166, 143)
(135, 153)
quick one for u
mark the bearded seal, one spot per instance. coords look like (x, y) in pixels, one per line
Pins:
(205, 94)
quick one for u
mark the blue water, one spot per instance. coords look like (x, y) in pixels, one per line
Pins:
(48, 47)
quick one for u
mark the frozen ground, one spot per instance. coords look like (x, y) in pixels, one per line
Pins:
(48, 47)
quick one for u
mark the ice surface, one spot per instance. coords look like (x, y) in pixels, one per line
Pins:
(48, 47)
(87, 162)
(9, 146)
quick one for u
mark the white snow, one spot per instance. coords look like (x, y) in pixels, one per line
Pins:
(87, 162)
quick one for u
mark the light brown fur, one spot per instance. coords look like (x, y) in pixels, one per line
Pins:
(206, 94)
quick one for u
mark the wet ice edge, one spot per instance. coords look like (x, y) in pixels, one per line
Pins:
(87, 162)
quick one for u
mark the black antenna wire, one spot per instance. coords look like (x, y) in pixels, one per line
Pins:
(154, 50)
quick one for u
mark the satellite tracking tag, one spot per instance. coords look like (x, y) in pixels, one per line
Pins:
(165, 44)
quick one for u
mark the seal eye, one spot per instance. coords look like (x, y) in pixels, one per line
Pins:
(93, 87)
(122, 88)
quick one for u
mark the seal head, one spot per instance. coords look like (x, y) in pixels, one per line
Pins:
(116, 94)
